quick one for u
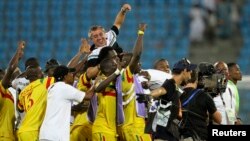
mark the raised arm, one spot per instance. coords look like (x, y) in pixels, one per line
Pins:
(13, 64)
(137, 50)
(84, 50)
(121, 15)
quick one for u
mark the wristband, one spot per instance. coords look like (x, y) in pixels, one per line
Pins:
(117, 72)
(140, 32)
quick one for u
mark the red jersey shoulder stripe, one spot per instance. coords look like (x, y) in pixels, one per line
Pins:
(130, 79)
(8, 96)
(48, 82)
(109, 94)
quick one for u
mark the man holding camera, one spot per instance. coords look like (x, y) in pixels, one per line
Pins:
(225, 100)
(196, 105)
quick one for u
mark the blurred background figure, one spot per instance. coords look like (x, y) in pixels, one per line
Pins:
(197, 25)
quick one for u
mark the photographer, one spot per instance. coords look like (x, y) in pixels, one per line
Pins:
(169, 110)
(197, 104)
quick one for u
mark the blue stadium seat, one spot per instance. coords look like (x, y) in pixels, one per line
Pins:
(71, 11)
(101, 2)
(13, 5)
(170, 44)
(187, 3)
(2, 5)
(174, 3)
(41, 33)
(62, 46)
(244, 63)
(165, 52)
(62, 57)
(159, 3)
(31, 49)
(147, 62)
(45, 55)
(28, 5)
(3, 56)
(48, 46)
(181, 53)
(183, 44)
(68, 21)
(12, 15)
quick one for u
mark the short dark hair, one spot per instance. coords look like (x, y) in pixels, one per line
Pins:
(32, 61)
(158, 61)
(104, 53)
(51, 63)
(230, 65)
(61, 71)
(106, 66)
(31, 72)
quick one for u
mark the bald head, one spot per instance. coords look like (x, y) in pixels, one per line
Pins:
(221, 67)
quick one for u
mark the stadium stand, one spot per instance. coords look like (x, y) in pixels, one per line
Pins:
(57, 23)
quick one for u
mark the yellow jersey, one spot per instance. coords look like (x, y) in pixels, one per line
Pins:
(106, 112)
(133, 126)
(7, 113)
(32, 100)
(130, 113)
(83, 84)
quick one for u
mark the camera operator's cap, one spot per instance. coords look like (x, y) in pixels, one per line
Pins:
(52, 63)
(184, 64)
(206, 68)
(61, 71)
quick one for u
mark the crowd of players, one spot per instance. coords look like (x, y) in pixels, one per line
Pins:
(104, 94)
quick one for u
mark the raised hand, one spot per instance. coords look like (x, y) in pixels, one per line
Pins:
(125, 8)
(21, 44)
(84, 47)
(20, 48)
(142, 26)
